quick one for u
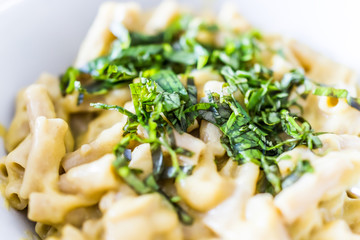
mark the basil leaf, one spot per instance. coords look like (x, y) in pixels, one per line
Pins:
(302, 167)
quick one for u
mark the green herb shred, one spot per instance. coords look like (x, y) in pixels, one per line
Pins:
(257, 127)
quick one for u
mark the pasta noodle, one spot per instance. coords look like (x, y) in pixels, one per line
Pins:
(189, 150)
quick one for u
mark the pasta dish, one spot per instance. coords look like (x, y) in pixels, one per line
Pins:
(175, 126)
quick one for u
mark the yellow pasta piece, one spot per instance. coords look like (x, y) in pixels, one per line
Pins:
(15, 164)
(51, 207)
(309, 221)
(230, 18)
(103, 121)
(211, 135)
(148, 212)
(102, 145)
(320, 68)
(204, 188)
(192, 144)
(141, 159)
(225, 217)
(110, 198)
(45, 231)
(19, 127)
(283, 59)
(99, 37)
(333, 173)
(90, 179)
(93, 229)
(48, 148)
(202, 77)
(351, 214)
(163, 15)
(266, 220)
(252, 218)
(38, 104)
(198, 230)
(51, 83)
(71, 233)
(80, 215)
(335, 230)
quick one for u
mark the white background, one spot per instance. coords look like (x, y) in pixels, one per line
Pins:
(38, 35)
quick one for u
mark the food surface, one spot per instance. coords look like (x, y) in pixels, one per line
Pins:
(171, 125)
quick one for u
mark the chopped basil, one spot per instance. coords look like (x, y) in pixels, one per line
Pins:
(257, 129)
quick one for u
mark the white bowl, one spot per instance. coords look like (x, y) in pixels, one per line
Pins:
(42, 35)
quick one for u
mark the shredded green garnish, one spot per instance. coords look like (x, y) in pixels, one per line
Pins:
(257, 128)
(164, 94)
